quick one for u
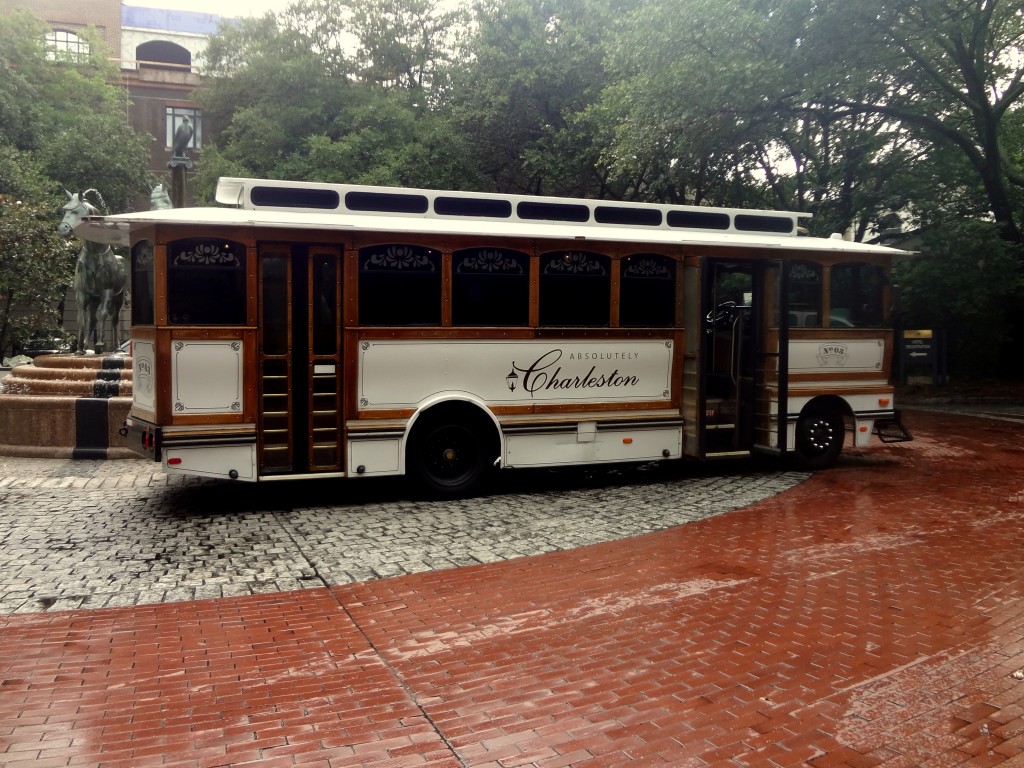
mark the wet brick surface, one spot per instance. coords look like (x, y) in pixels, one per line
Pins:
(872, 615)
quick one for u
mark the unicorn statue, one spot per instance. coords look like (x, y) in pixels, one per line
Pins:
(100, 278)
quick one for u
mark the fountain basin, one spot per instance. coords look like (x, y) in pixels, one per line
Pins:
(66, 406)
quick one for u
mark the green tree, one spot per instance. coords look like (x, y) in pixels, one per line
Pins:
(709, 104)
(967, 282)
(65, 118)
(334, 91)
(62, 125)
(36, 266)
(403, 43)
(948, 73)
(533, 69)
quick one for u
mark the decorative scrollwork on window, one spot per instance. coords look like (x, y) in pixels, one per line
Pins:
(649, 267)
(406, 258)
(576, 263)
(142, 255)
(803, 272)
(490, 261)
(205, 253)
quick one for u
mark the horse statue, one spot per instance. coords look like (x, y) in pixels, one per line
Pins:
(100, 277)
(159, 200)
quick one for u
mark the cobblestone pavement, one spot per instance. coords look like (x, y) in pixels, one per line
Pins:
(91, 534)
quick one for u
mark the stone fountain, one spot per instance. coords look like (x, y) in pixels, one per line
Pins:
(66, 406)
(74, 405)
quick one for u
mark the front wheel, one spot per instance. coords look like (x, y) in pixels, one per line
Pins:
(449, 457)
(819, 439)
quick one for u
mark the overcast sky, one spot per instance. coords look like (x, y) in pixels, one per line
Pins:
(227, 8)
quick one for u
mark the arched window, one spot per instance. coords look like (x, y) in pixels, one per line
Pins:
(575, 289)
(65, 45)
(490, 286)
(160, 54)
(142, 283)
(205, 281)
(647, 293)
(399, 284)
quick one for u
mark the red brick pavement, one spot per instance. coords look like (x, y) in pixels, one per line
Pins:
(872, 616)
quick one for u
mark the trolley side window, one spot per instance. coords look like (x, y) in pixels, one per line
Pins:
(490, 286)
(142, 283)
(399, 284)
(647, 293)
(857, 292)
(805, 295)
(206, 282)
(575, 289)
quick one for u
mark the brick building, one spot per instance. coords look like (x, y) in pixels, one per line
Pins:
(157, 52)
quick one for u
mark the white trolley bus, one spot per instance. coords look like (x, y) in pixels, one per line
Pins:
(309, 329)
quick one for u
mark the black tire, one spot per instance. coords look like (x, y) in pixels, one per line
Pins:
(819, 439)
(448, 456)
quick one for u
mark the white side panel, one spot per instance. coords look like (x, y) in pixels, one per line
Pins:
(143, 380)
(402, 374)
(859, 403)
(206, 376)
(862, 429)
(856, 356)
(563, 448)
(213, 461)
(377, 457)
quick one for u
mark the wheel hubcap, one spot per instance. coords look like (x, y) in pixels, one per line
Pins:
(820, 434)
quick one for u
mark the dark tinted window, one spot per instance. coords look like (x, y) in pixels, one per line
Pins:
(295, 197)
(553, 211)
(275, 299)
(575, 289)
(142, 283)
(647, 291)
(615, 214)
(857, 296)
(490, 286)
(386, 202)
(470, 206)
(747, 222)
(805, 293)
(399, 285)
(325, 304)
(698, 220)
(205, 282)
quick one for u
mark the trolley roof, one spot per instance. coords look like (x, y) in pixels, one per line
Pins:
(388, 210)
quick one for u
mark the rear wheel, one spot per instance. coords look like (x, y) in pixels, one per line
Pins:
(448, 456)
(819, 439)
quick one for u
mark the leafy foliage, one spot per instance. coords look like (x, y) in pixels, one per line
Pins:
(65, 122)
(36, 266)
(336, 91)
(62, 125)
(867, 113)
(968, 282)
